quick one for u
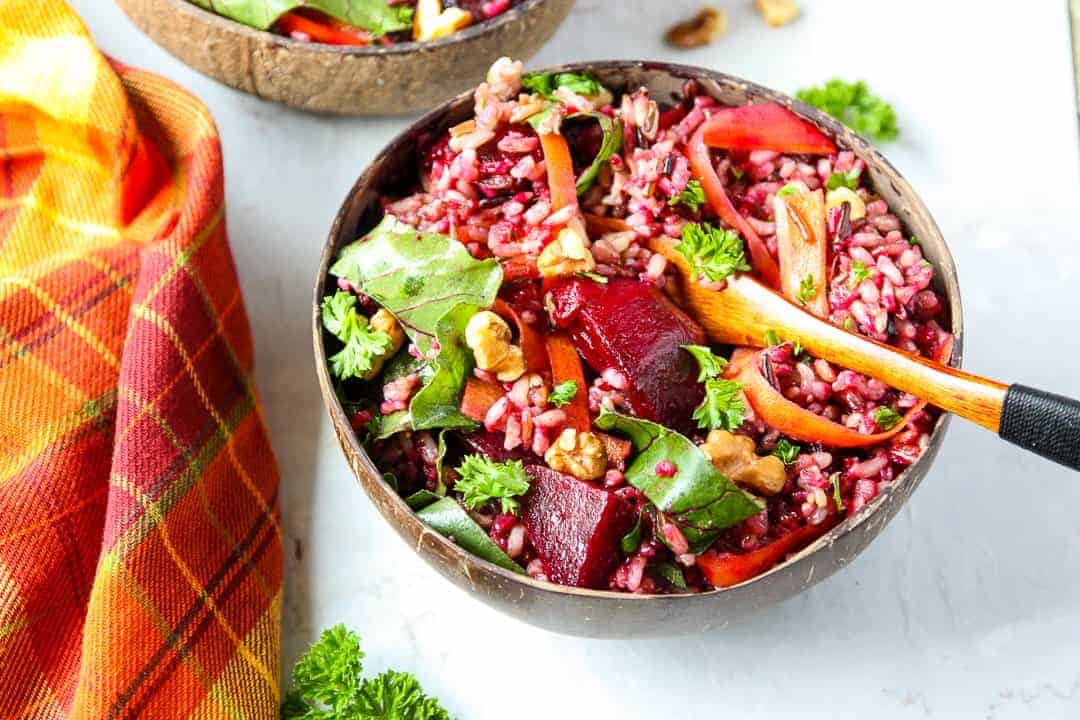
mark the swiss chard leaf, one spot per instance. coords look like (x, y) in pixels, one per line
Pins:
(379, 264)
(437, 404)
(697, 498)
(611, 144)
(667, 570)
(421, 499)
(376, 16)
(449, 519)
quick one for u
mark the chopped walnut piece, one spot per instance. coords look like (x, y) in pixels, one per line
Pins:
(702, 29)
(734, 456)
(581, 454)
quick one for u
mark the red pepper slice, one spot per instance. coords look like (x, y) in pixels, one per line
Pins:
(321, 28)
(530, 339)
(804, 248)
(765, 127)
(478, 398)
(566, 365)
(726, 569)
(799, 423)
(520, 268)
(702, 166)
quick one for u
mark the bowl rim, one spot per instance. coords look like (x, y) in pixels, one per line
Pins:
(863, 148)
(475, 30)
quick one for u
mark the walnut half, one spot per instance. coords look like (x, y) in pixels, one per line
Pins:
(580, 454)
(734, 457)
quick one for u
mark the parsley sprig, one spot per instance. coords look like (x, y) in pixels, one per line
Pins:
(563, 393)
(723, 407)
(807, 290)
(692, 197)
(886, 418)
(711, 365)
(328, 685)
(787, 451)
(860, 272)
(483, 481)
(714, 253)
(854, 105)
(363, 345)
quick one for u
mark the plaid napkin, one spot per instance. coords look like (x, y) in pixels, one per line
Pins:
(140, 543)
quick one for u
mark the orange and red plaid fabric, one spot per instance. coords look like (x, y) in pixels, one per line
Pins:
(140, 544)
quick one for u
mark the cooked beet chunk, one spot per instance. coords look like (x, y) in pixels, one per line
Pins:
(575, 527)
(634, 328)
(492, 445)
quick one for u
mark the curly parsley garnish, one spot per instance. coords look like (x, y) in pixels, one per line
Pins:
(787, 451)
(328, 684)
(807, 290)
(854, 105)
(362, 344)
(886, 417)
(563, 393)
(483, 481)
(714, 253)
(692, 197)
(723, 407)
(711, 365)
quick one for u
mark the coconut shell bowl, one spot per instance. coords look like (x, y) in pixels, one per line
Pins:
(403, 78)
(596, 613)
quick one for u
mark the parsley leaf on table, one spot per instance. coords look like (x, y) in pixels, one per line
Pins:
(328, 685)
(854, 105)
(483, 480)
(714, 253)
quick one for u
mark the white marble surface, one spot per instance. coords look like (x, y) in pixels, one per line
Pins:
(968, 606)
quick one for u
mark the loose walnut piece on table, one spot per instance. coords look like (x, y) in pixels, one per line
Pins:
(777, 12)
(702, 29)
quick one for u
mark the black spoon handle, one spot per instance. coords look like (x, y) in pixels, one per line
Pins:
(1044, 423)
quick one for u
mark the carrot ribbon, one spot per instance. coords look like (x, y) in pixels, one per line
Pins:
(799, 423)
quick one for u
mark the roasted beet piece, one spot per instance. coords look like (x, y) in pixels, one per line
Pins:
(491, 444)
(633, 327)
(575, 527)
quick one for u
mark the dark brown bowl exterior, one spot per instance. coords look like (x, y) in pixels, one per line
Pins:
(592, 613)
(380, 80)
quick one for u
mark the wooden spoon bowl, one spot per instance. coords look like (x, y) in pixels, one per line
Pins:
(600, 613)
(376, 80)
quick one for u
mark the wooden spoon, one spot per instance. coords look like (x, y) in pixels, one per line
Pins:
(743, 312)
